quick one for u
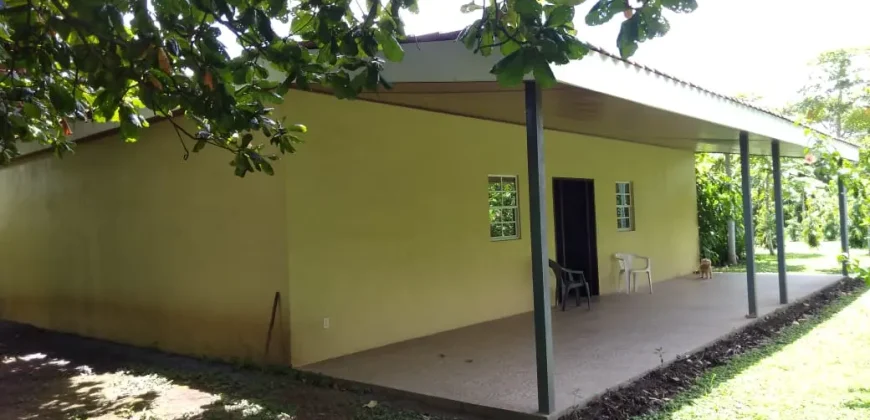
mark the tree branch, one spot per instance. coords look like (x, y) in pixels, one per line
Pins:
(180, 139)
(75, 23)
(179, 129)
(511, 37)
(14, 9)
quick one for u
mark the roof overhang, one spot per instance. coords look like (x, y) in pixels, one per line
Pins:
(601, 95)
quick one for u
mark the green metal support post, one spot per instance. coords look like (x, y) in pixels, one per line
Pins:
(780, 221)
(540, 279)
(749, 231)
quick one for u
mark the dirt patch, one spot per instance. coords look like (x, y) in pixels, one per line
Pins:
(654, 390)
(51, 375)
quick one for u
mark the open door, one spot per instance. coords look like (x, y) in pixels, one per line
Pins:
(576, 242)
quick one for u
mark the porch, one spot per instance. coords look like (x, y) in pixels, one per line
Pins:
(490, 367)
(606, 97)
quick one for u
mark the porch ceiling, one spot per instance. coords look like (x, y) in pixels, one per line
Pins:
(601, 94)
(577, 110)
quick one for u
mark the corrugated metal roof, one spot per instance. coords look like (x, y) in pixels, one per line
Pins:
(454, 35)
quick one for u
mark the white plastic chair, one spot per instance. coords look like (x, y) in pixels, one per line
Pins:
(626, 268)
(624, 261)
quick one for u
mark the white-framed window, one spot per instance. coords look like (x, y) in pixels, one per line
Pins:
(624, 207)
(504, 210)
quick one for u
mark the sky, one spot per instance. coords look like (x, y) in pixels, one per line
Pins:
(756, 47)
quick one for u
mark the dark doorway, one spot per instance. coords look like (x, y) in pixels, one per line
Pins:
(576, 242)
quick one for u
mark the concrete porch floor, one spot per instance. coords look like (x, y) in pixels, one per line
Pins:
(493, 364)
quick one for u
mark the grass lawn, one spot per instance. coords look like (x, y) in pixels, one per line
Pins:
(800, 258)
(817, 369)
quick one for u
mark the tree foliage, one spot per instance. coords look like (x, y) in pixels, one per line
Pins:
(809, 204)
(719, 200)
(837, 98)
(111, 60)
(834, 100)
(532, 34)
(856, 177)
(122, 61)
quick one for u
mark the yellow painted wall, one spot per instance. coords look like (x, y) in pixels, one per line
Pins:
(389, 231)
(130, 243)
(379, 223)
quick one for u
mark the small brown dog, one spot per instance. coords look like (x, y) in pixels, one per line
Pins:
(706, 268)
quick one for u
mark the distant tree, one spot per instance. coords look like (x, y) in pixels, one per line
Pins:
(731, 227)
(809, 198)
(837, 98)
(719, 200)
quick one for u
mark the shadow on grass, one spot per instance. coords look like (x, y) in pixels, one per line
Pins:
(719, 375)
(766, 263)
(762, 266)
(861, 402)
(57, 375)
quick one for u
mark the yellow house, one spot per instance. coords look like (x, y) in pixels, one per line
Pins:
(405, 213)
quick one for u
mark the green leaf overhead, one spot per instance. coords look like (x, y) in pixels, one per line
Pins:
(681, 6)
(510, 70)
(528, 9)
(560, 15)
(604, 10)
(547, 27)
(544, 74)
(629, 34)
(392, 49)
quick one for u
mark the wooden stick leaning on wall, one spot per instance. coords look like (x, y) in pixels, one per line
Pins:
(275, 303)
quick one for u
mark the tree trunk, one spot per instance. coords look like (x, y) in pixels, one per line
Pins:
(732, 236)
(771, 243)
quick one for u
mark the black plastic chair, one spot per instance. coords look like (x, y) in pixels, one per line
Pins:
(570, 280)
